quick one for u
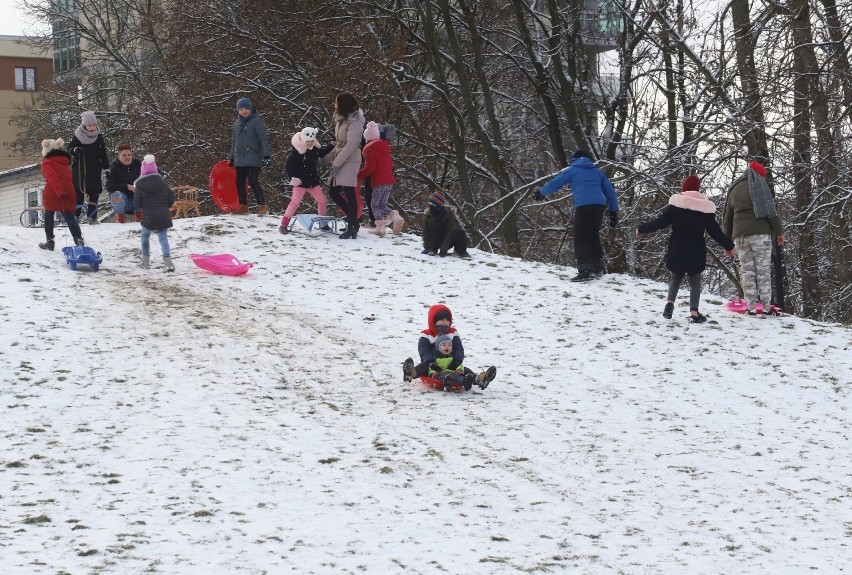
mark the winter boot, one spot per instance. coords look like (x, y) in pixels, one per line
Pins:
(48, 245)
(486, 377)
(697, 318)
(138, 216)
(262, 210)
(396, 221)
(668, 310)
(92, 221)
(447, 381)
(469, 380)
(347, 234)
(583, 276)
(145, 263)
(119, 218)
(408, 370)
(243, 209)
(380, 229)
(285, 225)
(355, 227)
(79, 242)
(170, 267)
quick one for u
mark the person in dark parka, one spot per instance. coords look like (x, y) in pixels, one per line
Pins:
(153, 198)
(249, 151)
(89, 158)
(442, 230)
(689, 214)
(123, 171)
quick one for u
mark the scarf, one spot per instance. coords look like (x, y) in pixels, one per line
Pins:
(86, 137)
(761, 196)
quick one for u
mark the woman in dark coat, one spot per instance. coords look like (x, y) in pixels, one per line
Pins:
(89, 154)
(690, 214)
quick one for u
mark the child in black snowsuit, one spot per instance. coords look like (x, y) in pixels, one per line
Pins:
(440, 326)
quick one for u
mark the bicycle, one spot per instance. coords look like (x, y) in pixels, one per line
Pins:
(34, 217)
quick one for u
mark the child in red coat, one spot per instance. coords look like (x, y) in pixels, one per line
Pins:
(378, 167)
(58, 194)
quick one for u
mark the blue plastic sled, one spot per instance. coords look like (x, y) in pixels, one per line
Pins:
(311, 221)
(82, 255)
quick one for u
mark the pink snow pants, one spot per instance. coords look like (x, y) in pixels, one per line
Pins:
(298, 194)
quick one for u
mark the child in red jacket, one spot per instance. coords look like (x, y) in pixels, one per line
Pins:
(58, 194)
(378, 167)
(440, 324)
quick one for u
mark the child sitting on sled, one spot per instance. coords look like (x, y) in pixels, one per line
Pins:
(447, 361)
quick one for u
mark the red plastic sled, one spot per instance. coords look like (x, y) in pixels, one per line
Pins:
(225, 264)
(223, 187)
(433, 383)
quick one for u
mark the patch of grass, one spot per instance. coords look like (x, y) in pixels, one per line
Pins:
(202, 513)
(329, 460)
(87, 553)
(16, 464)
(36, 520)
(385, 470)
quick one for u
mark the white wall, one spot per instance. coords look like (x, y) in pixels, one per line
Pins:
(13, 193)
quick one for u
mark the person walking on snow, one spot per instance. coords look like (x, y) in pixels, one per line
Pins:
(689, 214)
(301, 166)
(153, 198)
(59, 194)
(378, 167)
(346, 160)
(249, 151)
(593, 193)
(752, 220)
(89, 154)
(123, 171)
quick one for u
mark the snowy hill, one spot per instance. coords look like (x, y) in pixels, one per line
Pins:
(191, 423)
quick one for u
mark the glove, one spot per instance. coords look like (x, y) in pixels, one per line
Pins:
(443, 253)
(295, 182)
(434, 367)
(267, 161)
(335, 170)
(613, 219)
(230, 163)
(537, 197)
(454, 365)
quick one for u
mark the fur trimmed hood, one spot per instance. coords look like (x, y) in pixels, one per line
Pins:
(692, 200)
(299, 143)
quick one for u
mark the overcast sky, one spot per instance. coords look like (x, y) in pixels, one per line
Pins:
(12, 19)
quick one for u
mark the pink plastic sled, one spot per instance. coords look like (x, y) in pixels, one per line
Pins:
(225, 264)
(741, 306)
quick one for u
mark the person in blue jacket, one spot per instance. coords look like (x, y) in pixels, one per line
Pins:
(593, 194)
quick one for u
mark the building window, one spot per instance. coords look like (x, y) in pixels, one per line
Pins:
(66, 46)
(25, 79)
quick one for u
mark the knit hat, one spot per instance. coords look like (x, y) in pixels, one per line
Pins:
(438, 199)
(371, 132)
(50, 145)
(443, 314)
(388, 132)
(149, 165)
(691, 183)
(441, 339)
(88, 118)
(244, 103)
(309, 134)
(758, 168)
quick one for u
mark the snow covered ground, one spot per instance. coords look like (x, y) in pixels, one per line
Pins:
(192, 423)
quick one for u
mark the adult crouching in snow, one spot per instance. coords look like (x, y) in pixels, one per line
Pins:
(378, 167)
(593, 193)
(301, 166)
(123, 171)
(346, 160)
(153, 198)
(442, 230)
(249, 151)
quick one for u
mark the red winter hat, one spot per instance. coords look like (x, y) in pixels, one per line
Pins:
(691, 183)
(759, 168)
